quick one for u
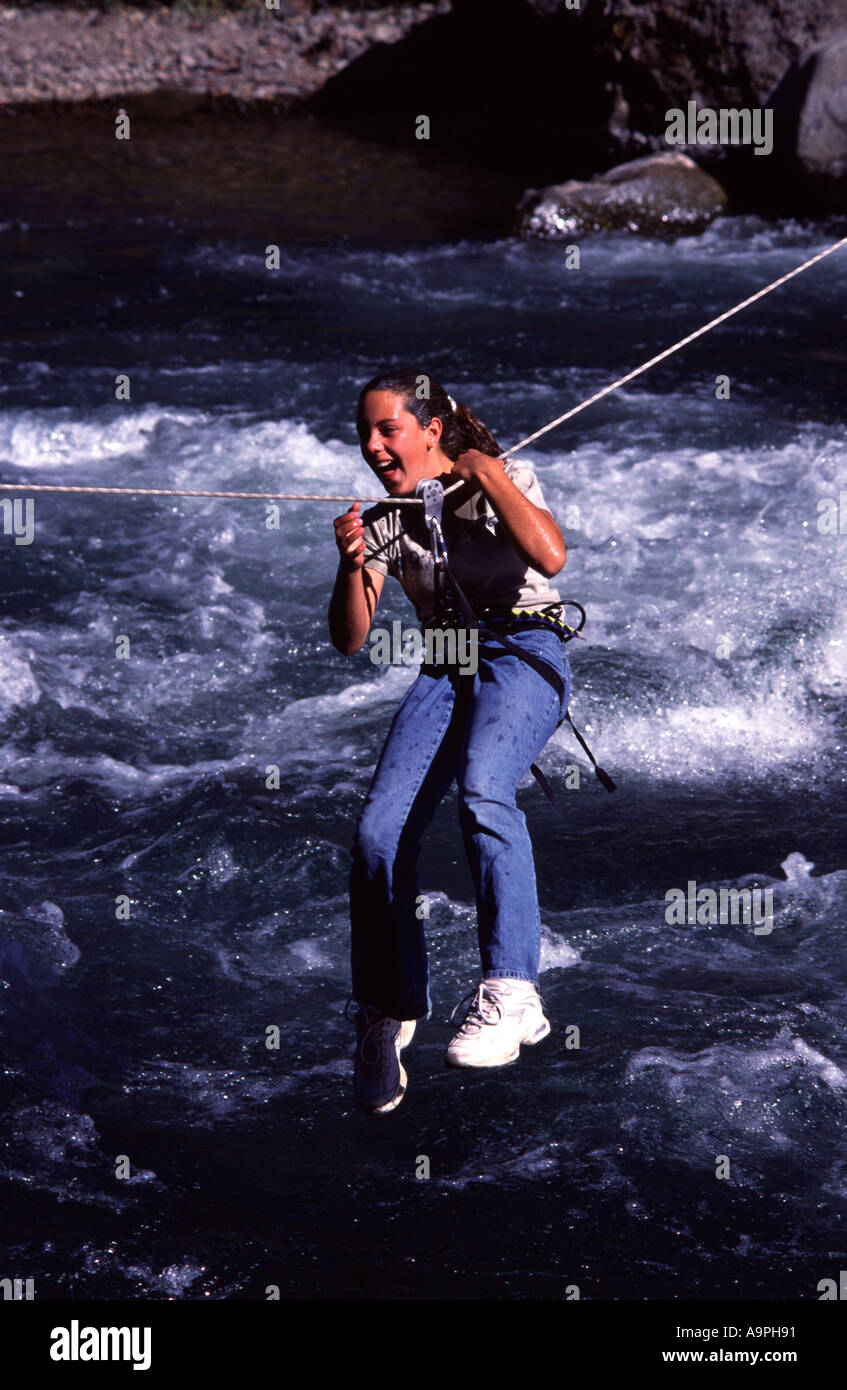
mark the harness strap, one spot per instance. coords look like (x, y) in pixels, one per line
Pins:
(432, 493)
(599, 772)
(550, 674)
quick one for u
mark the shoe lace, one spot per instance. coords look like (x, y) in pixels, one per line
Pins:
(376, 1033)
(479, 1012)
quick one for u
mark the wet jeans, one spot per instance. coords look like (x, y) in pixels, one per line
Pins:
(485, 730)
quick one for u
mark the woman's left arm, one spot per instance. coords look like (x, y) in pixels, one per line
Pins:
(532, 530)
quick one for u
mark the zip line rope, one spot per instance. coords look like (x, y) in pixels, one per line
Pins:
(191, 492)
(416, 501)
(698, 332)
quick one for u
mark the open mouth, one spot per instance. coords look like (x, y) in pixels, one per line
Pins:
(386, 470)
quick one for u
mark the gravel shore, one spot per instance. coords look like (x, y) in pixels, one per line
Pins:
(52, 54)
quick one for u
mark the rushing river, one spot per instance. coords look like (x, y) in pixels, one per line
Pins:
(712, 686)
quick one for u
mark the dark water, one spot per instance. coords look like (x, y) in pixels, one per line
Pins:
(712, 686)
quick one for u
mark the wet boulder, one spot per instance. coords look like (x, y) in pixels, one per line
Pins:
(658, 195)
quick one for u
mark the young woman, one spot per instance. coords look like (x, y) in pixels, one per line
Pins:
(483, 728)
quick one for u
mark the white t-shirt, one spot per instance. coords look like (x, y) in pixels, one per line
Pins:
(480, 553)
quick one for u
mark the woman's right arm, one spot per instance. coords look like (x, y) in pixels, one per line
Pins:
(357, 590)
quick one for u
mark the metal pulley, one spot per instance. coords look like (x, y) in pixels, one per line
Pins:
(431, 493)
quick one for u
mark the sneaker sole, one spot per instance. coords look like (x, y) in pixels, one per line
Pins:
(404, 1037)
(541, 1032)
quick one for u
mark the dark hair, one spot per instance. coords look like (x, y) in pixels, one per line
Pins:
(425, 398)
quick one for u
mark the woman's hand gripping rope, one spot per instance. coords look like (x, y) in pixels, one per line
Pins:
(350, 539)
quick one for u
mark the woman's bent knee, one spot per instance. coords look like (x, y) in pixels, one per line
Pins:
(376, 841)
(481, 805)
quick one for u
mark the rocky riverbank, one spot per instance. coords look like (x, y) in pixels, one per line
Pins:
(50, 53)
(550, 92)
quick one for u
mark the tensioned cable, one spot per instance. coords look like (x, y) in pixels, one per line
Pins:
(675, 347)
(192, 492)
(416, 501)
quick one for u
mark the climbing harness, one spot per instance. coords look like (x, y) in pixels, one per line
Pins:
(495, 624)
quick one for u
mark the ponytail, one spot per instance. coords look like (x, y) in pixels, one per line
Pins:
(473, 434)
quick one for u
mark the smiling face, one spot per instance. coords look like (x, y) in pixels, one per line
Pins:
(399, 449)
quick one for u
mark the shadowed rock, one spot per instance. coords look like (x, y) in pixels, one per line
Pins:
(808, 167)
(810, 104)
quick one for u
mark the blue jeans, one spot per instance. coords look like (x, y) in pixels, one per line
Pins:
(485, 730)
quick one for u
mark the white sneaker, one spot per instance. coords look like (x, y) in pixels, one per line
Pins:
(502, 1014)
